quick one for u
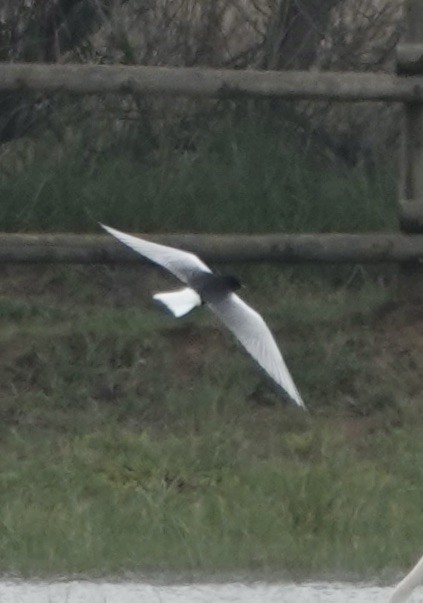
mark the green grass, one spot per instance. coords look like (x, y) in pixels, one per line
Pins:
(132, 442)
(120, 502)
(243, 176)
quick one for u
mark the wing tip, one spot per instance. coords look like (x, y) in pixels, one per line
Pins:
(297, 400)
(106, 228)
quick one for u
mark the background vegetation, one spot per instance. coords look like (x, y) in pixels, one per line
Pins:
(234, 174)
(358, 35)
(130, 442)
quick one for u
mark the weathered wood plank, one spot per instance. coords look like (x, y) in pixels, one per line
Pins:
(200, 82)
(214, 248)
(410, 284)
(411, 180)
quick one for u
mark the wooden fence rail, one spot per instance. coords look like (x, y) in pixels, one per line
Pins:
(288, 248)
(405, 86)
(196, 82)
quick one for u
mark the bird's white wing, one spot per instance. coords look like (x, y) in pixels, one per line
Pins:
(182, 264)
(251, 330)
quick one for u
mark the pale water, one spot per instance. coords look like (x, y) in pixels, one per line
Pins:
(131, 592)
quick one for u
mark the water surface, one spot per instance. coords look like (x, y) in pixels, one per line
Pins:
(131, 592)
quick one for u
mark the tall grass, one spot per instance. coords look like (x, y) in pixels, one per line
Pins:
(237, 175)
(113, 502)
(131, 442)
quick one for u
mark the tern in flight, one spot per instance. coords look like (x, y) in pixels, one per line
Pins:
(216, 292)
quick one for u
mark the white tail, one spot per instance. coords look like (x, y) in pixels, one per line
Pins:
(179, 302)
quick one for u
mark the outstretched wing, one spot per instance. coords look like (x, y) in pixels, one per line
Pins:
(251, 330)
(182, 264)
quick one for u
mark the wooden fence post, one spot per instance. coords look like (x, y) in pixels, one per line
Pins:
(411, 162)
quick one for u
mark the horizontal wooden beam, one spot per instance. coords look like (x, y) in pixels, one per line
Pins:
(199, 82)
(227, 248)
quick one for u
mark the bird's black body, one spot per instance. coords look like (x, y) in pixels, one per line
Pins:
(212, 287)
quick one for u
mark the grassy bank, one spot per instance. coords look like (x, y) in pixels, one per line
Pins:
(134, 442)
(131, 442)
(248, 175)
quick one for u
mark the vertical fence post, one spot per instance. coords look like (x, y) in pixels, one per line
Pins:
(411, 162)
